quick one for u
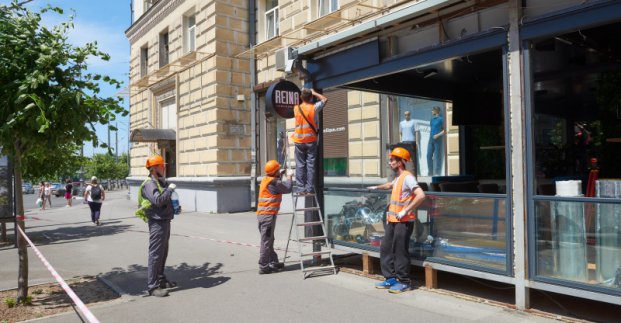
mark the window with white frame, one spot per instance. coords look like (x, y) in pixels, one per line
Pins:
(189, 33)
(168, 114)
(271, 19)
(327, 6)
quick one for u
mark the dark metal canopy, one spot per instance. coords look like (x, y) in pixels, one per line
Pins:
(152, 135)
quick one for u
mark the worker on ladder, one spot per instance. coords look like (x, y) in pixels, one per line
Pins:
(270, 195)
(405, 198)
(305, 139)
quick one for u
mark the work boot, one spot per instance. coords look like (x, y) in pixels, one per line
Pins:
(158, 292)
(264, 271)
(167, 284)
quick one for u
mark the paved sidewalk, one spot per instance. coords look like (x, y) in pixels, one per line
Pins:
(213, 257)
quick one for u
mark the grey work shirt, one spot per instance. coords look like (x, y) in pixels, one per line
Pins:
(278, 186)
(161, 204)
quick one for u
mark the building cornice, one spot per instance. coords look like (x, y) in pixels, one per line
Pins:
(160, 10)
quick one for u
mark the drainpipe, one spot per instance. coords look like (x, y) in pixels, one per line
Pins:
(253, 104)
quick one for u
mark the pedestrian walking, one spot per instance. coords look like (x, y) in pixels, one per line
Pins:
(156, 206)
(406, 197)
(69, 192)
(305, 139)
(48, 194)
(270, 195)
(42, 195)
(94, 194)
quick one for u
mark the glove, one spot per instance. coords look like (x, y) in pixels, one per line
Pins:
(372, 187)
(289, 172)
(401, 214)
(172, 186)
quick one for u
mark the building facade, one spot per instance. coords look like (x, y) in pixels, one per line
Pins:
(514, 107)
(190, 99)
(522, 181)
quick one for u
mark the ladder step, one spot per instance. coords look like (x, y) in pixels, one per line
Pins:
(309, 223)
(304, 195)
(318, 268)
(314, 208)
(313, 238)
(316, 253)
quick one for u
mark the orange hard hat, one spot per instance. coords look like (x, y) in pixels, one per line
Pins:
(154, 161)
(271, 167)
(401, 153)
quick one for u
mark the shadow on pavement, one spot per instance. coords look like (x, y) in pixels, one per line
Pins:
(74, 234)
(133, 280)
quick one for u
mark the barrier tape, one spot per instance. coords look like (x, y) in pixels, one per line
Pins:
(87, 313)
(214, 240)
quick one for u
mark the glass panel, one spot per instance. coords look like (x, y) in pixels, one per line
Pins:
(466, 230)
(579, 242)
(577, 111)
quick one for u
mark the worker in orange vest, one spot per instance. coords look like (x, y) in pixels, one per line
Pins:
(270, 195)
(406, 197)
(305, 139)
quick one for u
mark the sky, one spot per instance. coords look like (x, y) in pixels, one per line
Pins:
(104, 22)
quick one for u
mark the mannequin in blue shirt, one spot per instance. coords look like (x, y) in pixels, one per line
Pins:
(435, 149)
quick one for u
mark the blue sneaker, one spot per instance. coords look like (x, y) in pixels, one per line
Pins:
(388, 283)
(399, 288)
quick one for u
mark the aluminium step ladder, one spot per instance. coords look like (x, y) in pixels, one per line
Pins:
(311, 240)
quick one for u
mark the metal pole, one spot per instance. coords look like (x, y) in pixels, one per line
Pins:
(116, 142)
(518, 183)
(253, 106)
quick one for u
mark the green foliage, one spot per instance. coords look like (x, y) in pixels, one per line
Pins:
(38, 291)
(27, 300)
(10, 302)
(50, 103)
(106, 166)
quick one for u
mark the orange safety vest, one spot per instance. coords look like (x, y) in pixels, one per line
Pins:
(397, 204)
(268, 203)
(303, 131)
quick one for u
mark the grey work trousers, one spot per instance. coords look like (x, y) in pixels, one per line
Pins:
(394, 251)
(159, 235)
(267, 255)
(305, 155)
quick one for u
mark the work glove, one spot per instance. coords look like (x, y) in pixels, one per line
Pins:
(372, 187)
(289, 172)
(172, 186)
(401, 214)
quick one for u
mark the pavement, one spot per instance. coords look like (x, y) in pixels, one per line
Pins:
(213, 258)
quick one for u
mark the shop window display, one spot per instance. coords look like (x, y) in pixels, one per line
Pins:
(577, 153)
(467, 230)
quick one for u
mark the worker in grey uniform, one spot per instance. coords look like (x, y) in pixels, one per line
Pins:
(155, 194)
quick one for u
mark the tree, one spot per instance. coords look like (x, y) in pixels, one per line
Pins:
(49, 102)
(106, 166)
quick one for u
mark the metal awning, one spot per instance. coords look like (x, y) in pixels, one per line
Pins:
(152, 135)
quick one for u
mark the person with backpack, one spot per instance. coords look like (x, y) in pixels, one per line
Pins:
(94, 195)
(156, 208)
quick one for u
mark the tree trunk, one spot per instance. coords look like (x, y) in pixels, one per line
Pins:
(22, 245)
(3, 232)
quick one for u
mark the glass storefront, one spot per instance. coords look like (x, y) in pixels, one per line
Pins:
(468, 230)
(576, 130)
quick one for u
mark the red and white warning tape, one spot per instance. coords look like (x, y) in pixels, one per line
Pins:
(87, 313)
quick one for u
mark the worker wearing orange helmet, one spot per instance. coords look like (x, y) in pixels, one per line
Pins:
(305, 139)
(406, 197)
(270, 195)
(154, 200)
